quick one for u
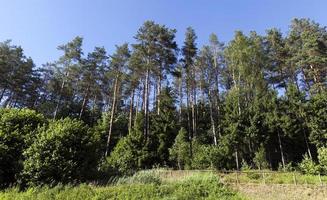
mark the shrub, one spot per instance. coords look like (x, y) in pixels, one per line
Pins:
(288, 167)
(207, 156)
(308, 166)
(17, 132)
(63, 152)
(259, 159)
(245, 166)
(322, 157)
(130, 153)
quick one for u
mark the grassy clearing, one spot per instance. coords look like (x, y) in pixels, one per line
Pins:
(253, 177)
(268, 177)
(204, 186)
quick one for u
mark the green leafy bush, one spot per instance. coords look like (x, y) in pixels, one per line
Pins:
(64, 151)
(308, 166)
(322, 157)
(259, 159)
(128, 154)
(17, 132)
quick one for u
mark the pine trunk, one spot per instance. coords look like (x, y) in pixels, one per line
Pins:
(146, 104)
(281, 149)
(60, 96)
(85, 101)
(131, 107)
(112, 115)
(2, 94)
(212, 121)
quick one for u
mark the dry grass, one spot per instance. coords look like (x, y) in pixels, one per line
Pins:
(281, 191)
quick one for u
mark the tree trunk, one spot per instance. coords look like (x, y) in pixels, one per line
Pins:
(193, 105)
(212, 121)
(112, 115)
(281, 149)
(236, 160)
(146, 104)
(85, 100)
(60, 95)
(131, 107)
(2, 94)
(158, 95)
(180, 98)
(137, 105)
(307, 143)
(218, 97)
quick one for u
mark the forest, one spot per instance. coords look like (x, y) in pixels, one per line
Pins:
(257, 101)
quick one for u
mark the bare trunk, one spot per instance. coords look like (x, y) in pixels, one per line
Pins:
(146, 104)
(188, 113)
(180, 99)
(212, 121)
(193, 106)
(143, 97)
(137, 106)
(158, 95)
(131, 107)
(85, 100)
(2, 94)
(60, 95)
(112, 115)
(281, 149)
(307, 143)
(236, 160)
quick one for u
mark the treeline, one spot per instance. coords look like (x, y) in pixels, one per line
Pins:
(258, 101)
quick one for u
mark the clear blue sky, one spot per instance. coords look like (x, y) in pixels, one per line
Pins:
(39, 26)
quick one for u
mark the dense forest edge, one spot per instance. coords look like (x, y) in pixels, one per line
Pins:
(257, 102)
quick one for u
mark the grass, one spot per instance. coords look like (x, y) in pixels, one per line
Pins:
(192, 184)
(251, 176)
(144, 186)
(269, 177)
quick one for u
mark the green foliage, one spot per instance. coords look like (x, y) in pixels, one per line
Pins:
(164, 126)
(288, 167)
(130, 152)
(208, 156)
(259, 159)
(322, 157)
(318, 119)
(180, 152)
(17, 132)
(245, 166)
(308, 166)
(64, 151)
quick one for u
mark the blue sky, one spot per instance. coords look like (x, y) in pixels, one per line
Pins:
(39, 26)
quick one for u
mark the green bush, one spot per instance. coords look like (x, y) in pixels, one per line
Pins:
(17, 132)
(128, 154)
(207, 156)
(64, 151)
(259, 159)
(308, 166)
(322, 157)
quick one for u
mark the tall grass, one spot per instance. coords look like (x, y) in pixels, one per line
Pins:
(143, 185)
